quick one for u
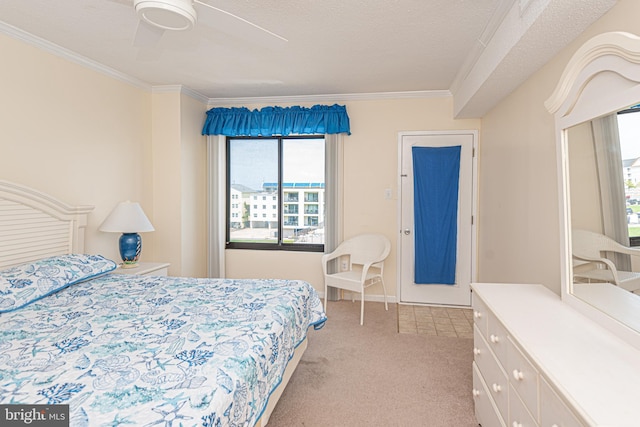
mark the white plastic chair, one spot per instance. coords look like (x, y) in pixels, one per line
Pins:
(360, 265)
(592, 247)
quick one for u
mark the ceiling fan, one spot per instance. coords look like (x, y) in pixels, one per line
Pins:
(158, 16)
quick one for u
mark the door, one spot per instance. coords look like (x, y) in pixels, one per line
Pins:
(457, 290)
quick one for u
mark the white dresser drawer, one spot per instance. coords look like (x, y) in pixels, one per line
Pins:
(524, 378)
(585, 375)
(554, 413)
(497, 338)
(492, 373)
(491, 328)
(519, 415)
(486, 413)
(480, 315)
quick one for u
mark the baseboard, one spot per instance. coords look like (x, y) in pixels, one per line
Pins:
(367, 298)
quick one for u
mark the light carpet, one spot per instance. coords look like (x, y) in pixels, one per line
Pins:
(371, 375)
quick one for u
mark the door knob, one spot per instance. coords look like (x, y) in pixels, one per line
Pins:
(407, 231)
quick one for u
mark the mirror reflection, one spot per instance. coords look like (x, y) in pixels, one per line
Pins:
(604, 189)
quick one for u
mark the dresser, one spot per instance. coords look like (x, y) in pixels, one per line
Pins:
(538, 362)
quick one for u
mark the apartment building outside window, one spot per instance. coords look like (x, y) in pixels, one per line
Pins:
(629, 131)
(279, 184)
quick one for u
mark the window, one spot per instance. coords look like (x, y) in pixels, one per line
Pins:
(288, 171)
(310, 197)
(311, 209)
(291, 220)
(629, 130)
(290, 197)
(311, 220)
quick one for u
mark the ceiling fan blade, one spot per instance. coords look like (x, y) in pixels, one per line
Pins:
(147, 35)
(234, 25)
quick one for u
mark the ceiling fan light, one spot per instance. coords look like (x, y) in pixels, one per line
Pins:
(174, 15)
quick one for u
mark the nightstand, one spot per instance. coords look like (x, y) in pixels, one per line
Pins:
(145, 269)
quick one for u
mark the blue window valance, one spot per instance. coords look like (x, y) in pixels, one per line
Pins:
(269, 121)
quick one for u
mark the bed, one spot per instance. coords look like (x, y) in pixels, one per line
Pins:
(136, 350)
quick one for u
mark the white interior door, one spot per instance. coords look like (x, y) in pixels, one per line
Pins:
(459, 293)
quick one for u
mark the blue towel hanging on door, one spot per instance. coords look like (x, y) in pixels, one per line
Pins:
(436, 172)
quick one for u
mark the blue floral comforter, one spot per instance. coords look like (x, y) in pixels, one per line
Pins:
(147, 351)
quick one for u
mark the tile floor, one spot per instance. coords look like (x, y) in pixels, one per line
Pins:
(442, 321)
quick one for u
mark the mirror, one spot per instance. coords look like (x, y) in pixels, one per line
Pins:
(604, 198)
(602, 78)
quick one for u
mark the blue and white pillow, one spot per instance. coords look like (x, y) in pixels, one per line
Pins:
(23, 284)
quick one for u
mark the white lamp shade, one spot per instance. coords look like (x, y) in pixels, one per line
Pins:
(127, 217)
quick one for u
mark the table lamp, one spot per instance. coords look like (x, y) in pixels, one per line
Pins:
(129, 219)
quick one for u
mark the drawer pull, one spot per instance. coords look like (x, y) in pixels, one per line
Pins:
(477, 314)
(496, 387)
(494, 339)
(516, 424)
(476, 392)
(517, 375)
(476, 351)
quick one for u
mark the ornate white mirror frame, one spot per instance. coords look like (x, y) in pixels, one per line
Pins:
(601, 78)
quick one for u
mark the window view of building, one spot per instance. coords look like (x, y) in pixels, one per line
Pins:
(275, 192)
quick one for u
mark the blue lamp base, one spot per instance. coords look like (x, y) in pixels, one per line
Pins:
(130, 248)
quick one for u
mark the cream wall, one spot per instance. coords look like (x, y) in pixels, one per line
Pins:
(584, 184)
(89, 138)
(370, 167)
(78, 135)
(166, 169)
(519, 220)
(193, 167)
(179, 184)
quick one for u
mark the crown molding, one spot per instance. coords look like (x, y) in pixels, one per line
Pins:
(330, 98)
(69, 55)
(159, 89)
(76, 58)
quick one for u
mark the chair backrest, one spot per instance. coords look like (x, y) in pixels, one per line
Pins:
(366, 248)
(592, 245)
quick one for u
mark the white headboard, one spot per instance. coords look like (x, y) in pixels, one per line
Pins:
(34, 225)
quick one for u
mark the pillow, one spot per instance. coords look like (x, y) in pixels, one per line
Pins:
(26, 283)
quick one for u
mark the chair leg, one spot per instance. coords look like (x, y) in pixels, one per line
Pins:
(384, 291)
(326, 291)
(362, 308)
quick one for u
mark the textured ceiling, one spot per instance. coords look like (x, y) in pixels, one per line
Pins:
(333, 47)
